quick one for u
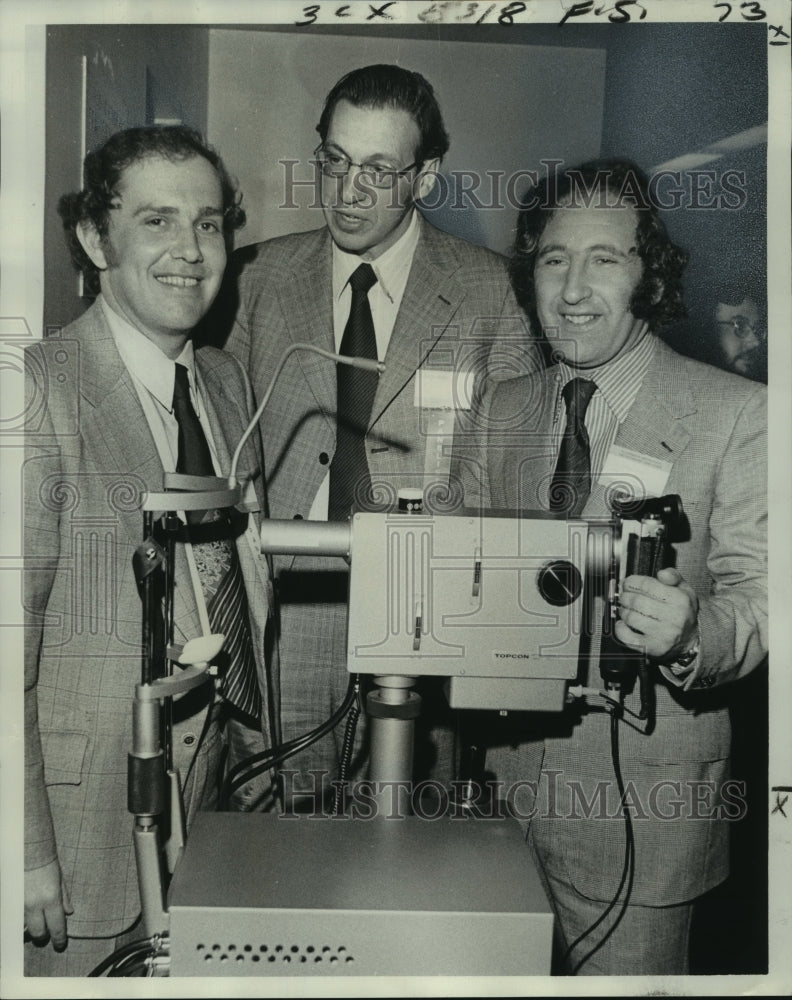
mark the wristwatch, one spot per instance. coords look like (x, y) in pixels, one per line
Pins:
(685, 659)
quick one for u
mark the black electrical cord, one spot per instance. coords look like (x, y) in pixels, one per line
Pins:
(346, 751)
(134, 964)
(649, 726)
(628, 869)
(127, 955)
(264, 760)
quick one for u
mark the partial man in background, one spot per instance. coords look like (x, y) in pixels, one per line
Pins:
(597, 273)
(114, 401)
(740, 320)
(378, 280)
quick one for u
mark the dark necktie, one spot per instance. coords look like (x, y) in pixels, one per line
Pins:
(217, 561)
(571, 484)
(350, 481)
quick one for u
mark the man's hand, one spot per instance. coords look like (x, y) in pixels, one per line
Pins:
(658, 615)
(46, 905)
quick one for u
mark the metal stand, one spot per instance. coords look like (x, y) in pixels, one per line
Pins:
(393, 708)
(154, 785)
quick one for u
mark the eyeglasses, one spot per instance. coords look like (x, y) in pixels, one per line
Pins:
(333, 164)
(741, 327)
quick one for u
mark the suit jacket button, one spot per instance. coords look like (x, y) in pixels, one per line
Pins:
(324, 458)
(188, 739)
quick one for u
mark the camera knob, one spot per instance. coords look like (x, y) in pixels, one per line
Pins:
(560, 582)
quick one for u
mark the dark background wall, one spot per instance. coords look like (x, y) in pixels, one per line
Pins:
(684, 91)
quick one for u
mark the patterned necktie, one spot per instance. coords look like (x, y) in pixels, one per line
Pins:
(350, 481)
(218, 562)
(571, 484)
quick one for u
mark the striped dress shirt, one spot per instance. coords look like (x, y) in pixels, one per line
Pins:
(618, 383)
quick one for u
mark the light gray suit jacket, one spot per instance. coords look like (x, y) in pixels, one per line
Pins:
(89, 458)
(457, 311)
(711, 426)
(457, 303)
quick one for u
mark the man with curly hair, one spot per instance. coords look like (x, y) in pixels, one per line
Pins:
(113, 401)
(617, 409)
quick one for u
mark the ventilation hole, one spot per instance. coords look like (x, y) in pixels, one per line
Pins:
(284, 952)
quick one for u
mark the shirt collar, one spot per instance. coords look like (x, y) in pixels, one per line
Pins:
(144, 361)
(618, 380)
(391, 268)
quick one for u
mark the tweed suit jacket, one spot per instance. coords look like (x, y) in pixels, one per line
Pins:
(711, 427)
(457, 303)
(89, 458)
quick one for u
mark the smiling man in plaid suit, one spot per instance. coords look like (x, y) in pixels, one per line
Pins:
(112, 404)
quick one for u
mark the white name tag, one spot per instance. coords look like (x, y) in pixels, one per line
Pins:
(436, 389)
(636, 475)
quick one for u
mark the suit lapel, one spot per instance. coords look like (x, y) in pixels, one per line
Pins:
(537, 456)
(113, 419)
(307, 304)
(653, 427)
(226, 432)
(432, 298)
(113, 423)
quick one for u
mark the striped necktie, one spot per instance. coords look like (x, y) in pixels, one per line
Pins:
(217, 561)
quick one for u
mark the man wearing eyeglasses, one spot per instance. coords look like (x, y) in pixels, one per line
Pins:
(742, 337)
(337, 442)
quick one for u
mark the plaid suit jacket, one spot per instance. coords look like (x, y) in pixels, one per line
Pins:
(89, 458)
(711, 427)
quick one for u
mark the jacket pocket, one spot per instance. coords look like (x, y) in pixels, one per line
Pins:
(679, 738)
(64, 757)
